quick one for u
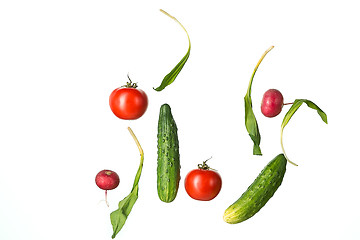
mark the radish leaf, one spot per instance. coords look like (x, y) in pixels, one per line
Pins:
(119, 216)
(250, 120)
(295, 106)
(170, 77)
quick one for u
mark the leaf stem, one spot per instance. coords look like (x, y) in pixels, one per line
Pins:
(167, 14)
(282, 147)
(138, 173)
(136, 141)
(257, 66)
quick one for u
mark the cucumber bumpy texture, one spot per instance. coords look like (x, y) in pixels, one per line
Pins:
(168, 162)
(258, 193)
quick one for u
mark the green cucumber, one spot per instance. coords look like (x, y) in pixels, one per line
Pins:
(258, 193)
(168, 162)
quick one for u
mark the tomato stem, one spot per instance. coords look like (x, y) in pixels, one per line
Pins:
(204, 166)
(256, 68)
(130, 84)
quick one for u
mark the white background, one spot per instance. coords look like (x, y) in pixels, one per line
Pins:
(60, 60)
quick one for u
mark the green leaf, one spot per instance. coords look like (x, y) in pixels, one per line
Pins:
(295, 106)
(119, 216)
(250, 120)
(170, 77)
(252, 126)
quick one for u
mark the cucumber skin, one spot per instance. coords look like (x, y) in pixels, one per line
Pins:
(258, 193)
(168, 162)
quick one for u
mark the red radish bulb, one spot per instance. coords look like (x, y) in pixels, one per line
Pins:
(107, 180)
(272, 103)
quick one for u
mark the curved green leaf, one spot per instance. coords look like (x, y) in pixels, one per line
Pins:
(295, 106)
(252, 126)
(170, 77)
(250, 120)
(119, 216)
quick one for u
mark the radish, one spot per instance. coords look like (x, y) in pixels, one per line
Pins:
(107, 180)
(272, 103)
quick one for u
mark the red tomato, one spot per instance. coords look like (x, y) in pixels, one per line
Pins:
(203, 184)
(128, 102)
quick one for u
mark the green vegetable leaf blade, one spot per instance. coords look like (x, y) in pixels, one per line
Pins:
(171, 76)
(319, 111)
(295, 106)
(250, 120)
(252, 126)
(119, 216)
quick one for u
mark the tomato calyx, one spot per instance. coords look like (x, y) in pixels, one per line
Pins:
(130, 84)
(204, 166)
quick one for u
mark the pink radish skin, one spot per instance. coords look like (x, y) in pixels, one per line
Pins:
(272, 103)
(107, 180)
